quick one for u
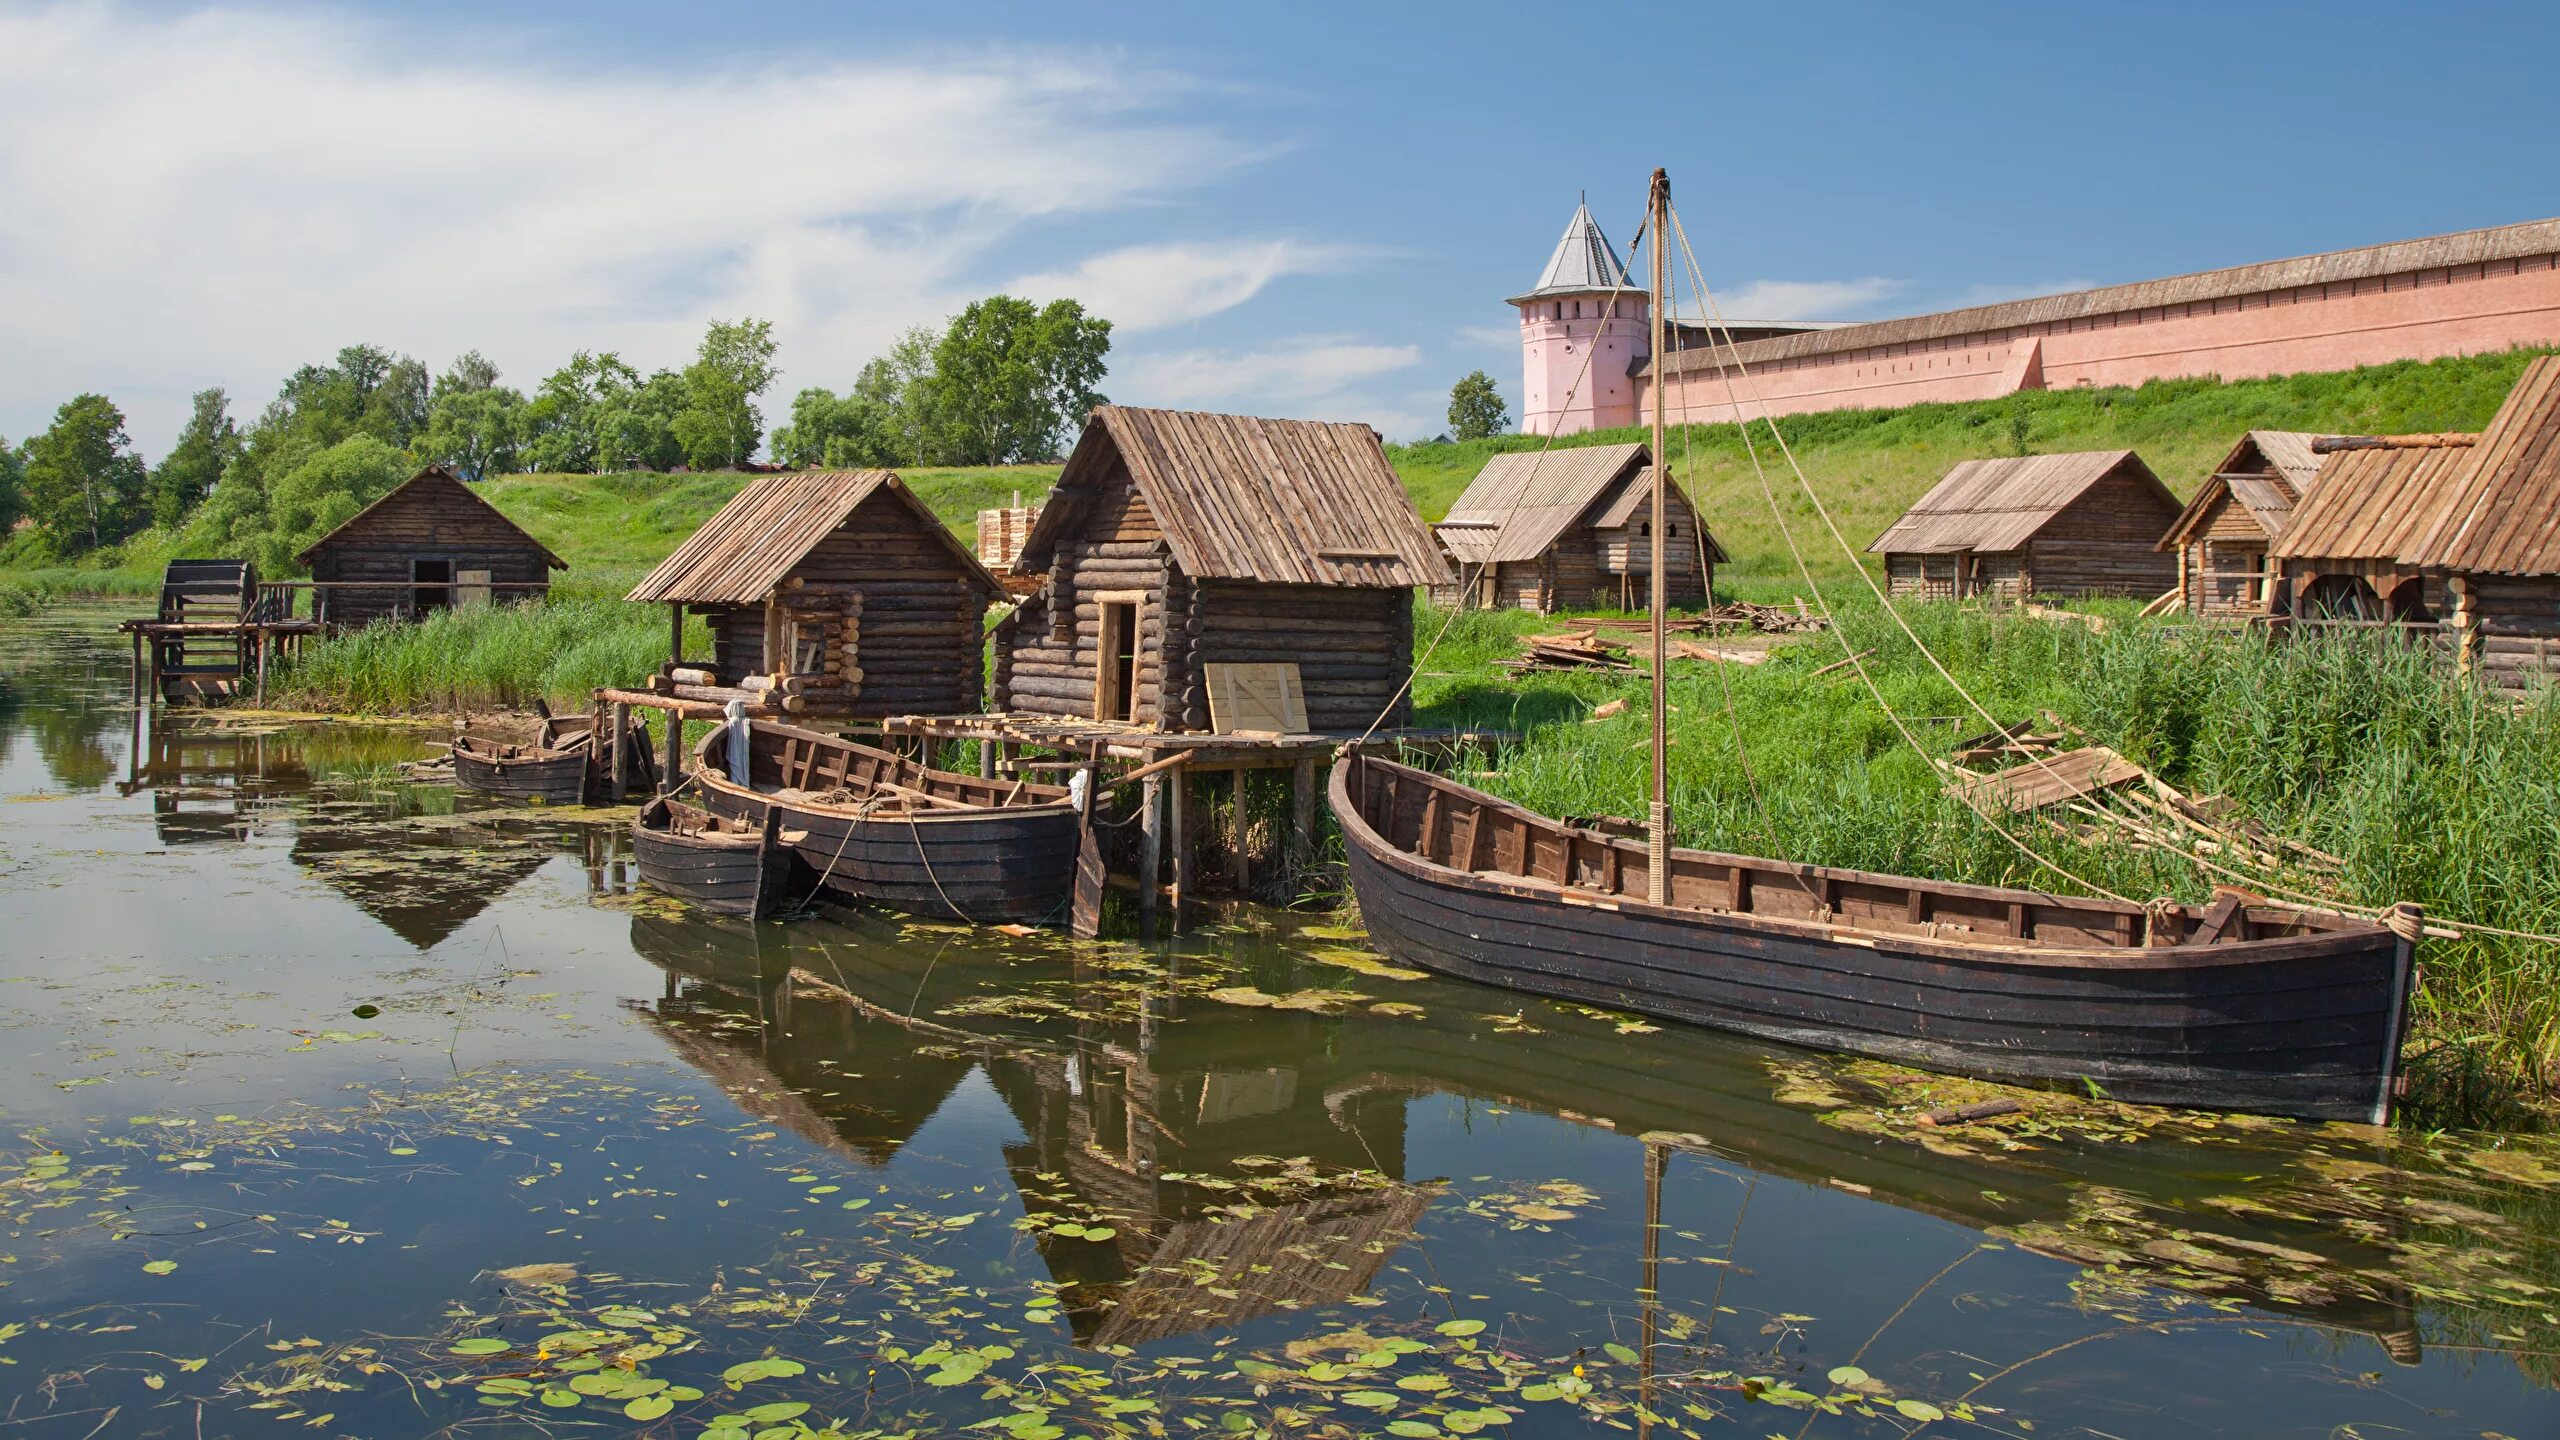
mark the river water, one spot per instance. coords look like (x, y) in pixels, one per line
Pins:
(339, 1107)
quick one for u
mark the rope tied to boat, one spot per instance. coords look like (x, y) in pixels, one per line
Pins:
(2407, 920)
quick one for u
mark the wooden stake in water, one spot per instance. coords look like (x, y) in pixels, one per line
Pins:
(1658, 818)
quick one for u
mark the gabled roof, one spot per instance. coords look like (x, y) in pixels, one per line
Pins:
(1996, 505)
(1583, 262)
(741, 553)
(1633, 492)
(1285, 502)
(2265, 473)
(1531, 497)
(2501, 513)
(2376, 495)
(433, 475)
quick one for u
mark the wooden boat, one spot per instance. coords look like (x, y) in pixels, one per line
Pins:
(726, 867)
(2235, 1006)
(545, 774)
(883, 829)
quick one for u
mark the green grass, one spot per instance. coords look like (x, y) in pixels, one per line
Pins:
(1869, 465)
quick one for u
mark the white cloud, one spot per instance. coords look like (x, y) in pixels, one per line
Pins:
(1803, 299)
(221, 196)
(1307, 377)
(1149, 287)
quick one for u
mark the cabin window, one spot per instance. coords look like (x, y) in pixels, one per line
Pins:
(430, 586)
(1115, 686)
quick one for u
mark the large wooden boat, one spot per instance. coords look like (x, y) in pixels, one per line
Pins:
(2234, 1006)
(727, 867)
(885, 830)
(547, 774)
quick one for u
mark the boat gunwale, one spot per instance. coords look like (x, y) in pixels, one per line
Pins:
(712, 771)
(2356, 933)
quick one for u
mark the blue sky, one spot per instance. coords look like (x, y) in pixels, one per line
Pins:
(1303, 210)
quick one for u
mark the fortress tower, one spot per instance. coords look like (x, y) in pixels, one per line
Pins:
(1568, 323)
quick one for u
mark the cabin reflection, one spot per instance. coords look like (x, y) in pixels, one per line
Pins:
(1231, 1191)
(211, 785)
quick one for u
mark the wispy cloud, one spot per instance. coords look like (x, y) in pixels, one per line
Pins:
(1150, 287)
(1806, 299)
(220, 196)
(1306, 377)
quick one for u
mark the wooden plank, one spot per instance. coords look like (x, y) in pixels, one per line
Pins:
(2037, 783)
(1267, 699)
(1093, 873)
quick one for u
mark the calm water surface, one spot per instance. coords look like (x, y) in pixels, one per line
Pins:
(338, 1108)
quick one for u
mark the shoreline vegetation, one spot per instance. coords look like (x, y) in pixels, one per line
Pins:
(2426, 789)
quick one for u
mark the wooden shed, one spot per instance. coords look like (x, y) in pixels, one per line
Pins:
(2221, 538)
(2495, 540)
(430, 544)
(836, 589)
(2086, 523)
(1570, 529)
(2340, 557)
(1178, 541)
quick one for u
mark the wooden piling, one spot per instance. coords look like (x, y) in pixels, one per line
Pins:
(673, 770)
(137, 667)
(1150, 853)
(1240, 859)
(621, 741)
(1178, 828)
(262, 667)
(1303, 779)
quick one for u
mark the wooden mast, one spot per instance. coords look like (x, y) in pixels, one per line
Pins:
(1658, 826)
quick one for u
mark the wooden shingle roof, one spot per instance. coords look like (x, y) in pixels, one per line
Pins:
(1990, 506)
(1531, 497)
(433, 477)
(2376, 495)
(2265, 474)
(745, 550)
(2501, 513)
(1285, 502)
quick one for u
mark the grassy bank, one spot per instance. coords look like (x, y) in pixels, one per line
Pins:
(481, 658)
(2427, 790)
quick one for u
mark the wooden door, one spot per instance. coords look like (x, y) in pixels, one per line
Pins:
(1115, 681)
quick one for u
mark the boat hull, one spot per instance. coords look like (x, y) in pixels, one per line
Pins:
(2303, 1025)
(732, 873)
(545, 779)
(989, 864)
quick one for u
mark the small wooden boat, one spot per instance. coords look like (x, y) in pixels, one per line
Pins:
(2233, 1006)
(883, 829)
(727, 867)
(544, 774)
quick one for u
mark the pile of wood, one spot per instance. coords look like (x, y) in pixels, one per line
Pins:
(1767, 619)
(1572, 650)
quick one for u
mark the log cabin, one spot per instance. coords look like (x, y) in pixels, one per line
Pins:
(1177, 540)
(836, 591)
(2496, 540)
(430, 544)
(1571, 529)
(2085, 523)
(2340, 557)
(2222, 535)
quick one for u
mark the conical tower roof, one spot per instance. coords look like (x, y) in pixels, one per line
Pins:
(1584, 262)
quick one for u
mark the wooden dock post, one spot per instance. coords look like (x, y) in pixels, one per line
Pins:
(137, 667)
(621, 741)
(1178, 828)
(1303, 779)
(1150, 854)
(987, 760)
(674, 768)
(263, 646)
(1240, 860)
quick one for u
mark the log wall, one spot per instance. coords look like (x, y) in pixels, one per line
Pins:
(426, 522)
(1048, 653)
(2101, 543)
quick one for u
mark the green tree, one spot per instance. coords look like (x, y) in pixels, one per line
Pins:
(83, 482)
(1476, 409)
(560, 419)
(316, 496)
(13, 481)
(900, 385)
(477, 432)
(396, 409)
(638, 427)
(840, 432)
(470, 370)
(720, 425)
(194, 465)
(1010, 378)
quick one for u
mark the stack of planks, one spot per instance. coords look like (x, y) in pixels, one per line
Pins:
(1573, 650)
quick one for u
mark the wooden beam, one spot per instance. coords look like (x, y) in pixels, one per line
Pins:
(1150, 853)
(621, 742)
(1178, 826)
(1303, 779)
(1240, 858)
